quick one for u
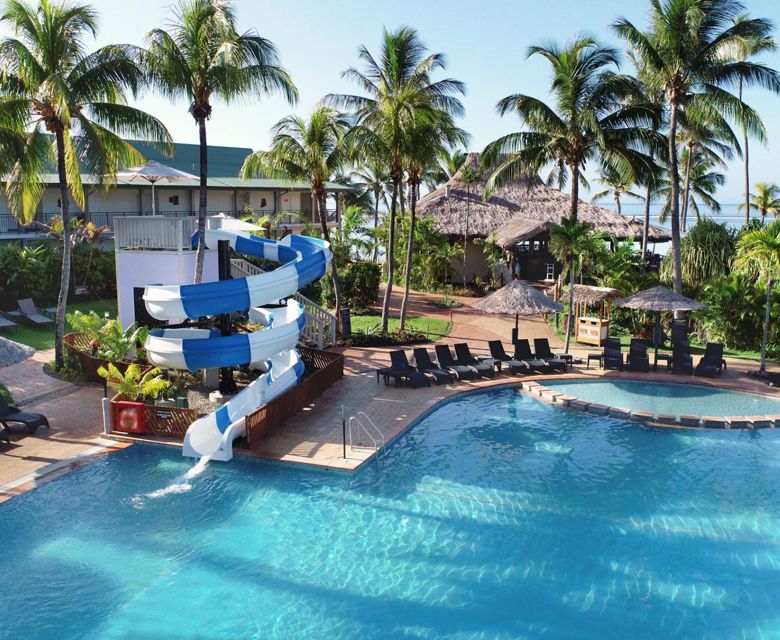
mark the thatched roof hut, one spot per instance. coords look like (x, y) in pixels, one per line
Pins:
(659, 299)
(591, 296)
(518, 298)
(526, 199)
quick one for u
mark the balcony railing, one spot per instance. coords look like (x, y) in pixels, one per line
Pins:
(154, 232)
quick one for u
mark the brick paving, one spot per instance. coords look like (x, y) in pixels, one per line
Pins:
(313, 437)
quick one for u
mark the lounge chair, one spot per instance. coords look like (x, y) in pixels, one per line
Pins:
(30, 312)
(523, 352)
(5, 323)
(446, 361)
(502, 358)
(712, 362)
(638, 360)
(4, 435)
(425, 365)
(400, 370)
(612, 357)
(13, 415)
(486, 368)
(679, 333)
(543, 352)
(682, 361)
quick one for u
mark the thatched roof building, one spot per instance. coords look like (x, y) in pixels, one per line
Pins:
(590, 295)
(522, 203)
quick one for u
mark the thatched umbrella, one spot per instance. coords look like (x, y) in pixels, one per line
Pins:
(518, 298)
(659, 299)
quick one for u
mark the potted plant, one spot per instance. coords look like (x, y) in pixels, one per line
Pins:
(133, 387)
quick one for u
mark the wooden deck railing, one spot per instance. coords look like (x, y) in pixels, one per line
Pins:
(328, 368)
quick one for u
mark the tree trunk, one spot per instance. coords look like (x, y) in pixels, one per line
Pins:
(376, 223)
(575, 191)
(390, 257)
(202, 204)
(409, 254)
(466, 236)
(763, 216)
(318, 200)
(675, 208)
(747, 160)
(686, 189)
(646, 228)
(617, 203)
(62, 300)
(570, 314)
(769, 286)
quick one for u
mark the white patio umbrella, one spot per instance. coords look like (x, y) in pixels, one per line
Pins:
(154, 172)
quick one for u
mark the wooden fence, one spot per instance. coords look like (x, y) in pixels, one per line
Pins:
(327, 368)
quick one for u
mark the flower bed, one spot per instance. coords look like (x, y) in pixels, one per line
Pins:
(78, 345)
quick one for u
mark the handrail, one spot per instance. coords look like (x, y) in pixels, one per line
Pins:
(320, 323)
(363, 423)
(240, 268)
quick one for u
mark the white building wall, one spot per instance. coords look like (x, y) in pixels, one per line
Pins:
(118, 200)
(220, 201)
(290, 201)
(141, 268)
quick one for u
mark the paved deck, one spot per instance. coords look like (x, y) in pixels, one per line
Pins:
(313, 437)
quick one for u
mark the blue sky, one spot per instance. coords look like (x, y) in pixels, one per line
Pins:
(485, 43)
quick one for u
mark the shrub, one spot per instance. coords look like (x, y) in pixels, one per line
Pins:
(359, 286)
(134, 385)
(371, 338)
(107, 337)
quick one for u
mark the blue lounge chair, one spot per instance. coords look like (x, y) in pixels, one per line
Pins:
(523, 352)
(401, 371)
(486, 368)
(10, 414)
(543, 352)
(446, 361)
(638, 360)
(712, 362)
(502, 358)
(425, 365)
(612, 358)
(682, 361)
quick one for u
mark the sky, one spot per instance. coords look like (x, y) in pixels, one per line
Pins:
(485, 44)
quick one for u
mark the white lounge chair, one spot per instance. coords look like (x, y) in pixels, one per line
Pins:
(31, 313)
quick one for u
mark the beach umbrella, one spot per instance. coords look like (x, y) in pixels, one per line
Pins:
(658, 299)
(518, 298)
(154, 172)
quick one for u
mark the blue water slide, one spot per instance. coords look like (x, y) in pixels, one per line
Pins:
(271, 349)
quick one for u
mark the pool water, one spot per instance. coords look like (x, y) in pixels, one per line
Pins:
(668, 397)
(495, 517)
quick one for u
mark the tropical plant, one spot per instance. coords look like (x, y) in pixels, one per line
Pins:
(758, 255)
(707, 253)
(313, 150)
(597, 117)
(449, 163)
(134, 385)
(617, 187)
(108, 338)
(621, 268)
(740, 50)
(701, 183)
(373, 177)
(765, 200)
(681, 56)
(202, 56)
(568, 241)
(71, 105)
(399, 95)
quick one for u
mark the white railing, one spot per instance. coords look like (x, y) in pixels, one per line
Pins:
(320, 326)
(364, 426)
(240, 268)
(153, 232)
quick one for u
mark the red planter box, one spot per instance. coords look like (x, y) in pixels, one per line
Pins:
(128, 417)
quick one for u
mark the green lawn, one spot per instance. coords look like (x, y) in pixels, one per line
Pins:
(434, 328)
(43, 338)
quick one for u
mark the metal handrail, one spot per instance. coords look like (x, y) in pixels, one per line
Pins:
(363, 423)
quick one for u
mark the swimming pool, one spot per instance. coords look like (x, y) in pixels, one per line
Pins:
(667, 397)
(497, 516)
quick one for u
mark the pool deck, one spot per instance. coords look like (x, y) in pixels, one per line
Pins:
(314, 437)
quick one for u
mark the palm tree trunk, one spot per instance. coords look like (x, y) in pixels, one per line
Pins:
(646, 227)
(569, 315)
(675, 195)
(390, 257)
(763, 216)
(466, 236)
(318, 200)
(62, 300)
(376, 223)
(686, 189)
(769, 286)
(202, 204)
(575, 190)
(409, 254)
(747, 160)
(617, 203)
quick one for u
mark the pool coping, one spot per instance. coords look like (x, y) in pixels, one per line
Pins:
(537, 391)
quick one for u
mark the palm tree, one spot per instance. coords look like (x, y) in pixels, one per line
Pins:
(681, 57)
(313, 150)
(400, 94)
(71, 105)
(741, 50)
(372, 176)
(424, 146)
(468, 176)
(617, 187)
(592, 120)
(449, 163)
(568, 241)
(758, 254)
(701, 184)
(203, 56)
(766, 199)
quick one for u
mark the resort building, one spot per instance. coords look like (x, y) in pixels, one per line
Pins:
(287, 202)
(517, 218)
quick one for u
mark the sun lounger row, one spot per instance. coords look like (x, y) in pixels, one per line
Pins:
(465, 366)
(711, 363)
(27, 311)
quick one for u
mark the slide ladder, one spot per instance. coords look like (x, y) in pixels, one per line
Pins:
(272, 349)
